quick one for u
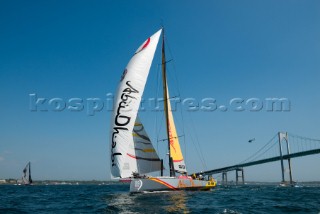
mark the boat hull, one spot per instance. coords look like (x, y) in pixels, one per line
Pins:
(169, 184)
(288, 184)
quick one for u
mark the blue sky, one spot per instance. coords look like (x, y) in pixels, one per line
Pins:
(221, 49)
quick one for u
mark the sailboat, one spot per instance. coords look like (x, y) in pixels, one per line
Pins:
(133, 157)
(26, 177)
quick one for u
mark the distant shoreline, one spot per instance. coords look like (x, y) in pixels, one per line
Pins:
(107, 182)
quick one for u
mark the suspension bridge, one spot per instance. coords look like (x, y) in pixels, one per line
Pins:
(282, 147)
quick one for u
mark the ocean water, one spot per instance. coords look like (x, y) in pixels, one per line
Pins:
(114, 198)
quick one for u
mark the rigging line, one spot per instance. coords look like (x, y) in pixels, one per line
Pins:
(162, 118)
(173, 65)
(259, 149)
(156, 119)
(176, 108)
(169, 98)
(197, 141)
(192, 140)
(165, 139)
(183, 132)
(174, 77)
(166, 62)
(177, 87)
(197, 148)
(159, 116)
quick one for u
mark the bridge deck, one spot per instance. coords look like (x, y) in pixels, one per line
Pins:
(230, 168)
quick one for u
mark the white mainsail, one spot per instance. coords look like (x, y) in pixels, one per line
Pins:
(126, 107)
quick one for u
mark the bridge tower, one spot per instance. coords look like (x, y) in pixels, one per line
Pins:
(224, 178)
(239, 174)
(283, 137)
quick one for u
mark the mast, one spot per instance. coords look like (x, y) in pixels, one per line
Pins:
(165, 101)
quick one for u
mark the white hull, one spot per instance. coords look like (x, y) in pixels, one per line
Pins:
(169, 184)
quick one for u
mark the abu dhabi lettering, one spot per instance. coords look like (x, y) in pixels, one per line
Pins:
(122, 118)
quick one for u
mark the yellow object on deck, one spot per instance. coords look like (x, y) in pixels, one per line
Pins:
(211, 183)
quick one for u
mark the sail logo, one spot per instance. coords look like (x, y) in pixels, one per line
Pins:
(182, 167)
(171, 139)
(138, 184)
(121, 119)
(142, 47)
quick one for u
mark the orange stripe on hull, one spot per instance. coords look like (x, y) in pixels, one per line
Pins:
(164, 183)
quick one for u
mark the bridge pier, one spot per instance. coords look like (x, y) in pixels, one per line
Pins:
(224, 178)
(239, 175)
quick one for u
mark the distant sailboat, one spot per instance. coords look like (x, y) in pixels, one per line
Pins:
(26, 177)
(132, 153)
